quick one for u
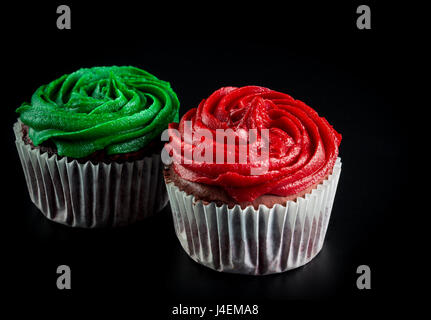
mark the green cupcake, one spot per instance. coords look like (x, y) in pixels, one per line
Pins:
(89, 143)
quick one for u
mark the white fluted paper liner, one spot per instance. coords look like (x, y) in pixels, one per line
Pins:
(251, 241)
(92, 195)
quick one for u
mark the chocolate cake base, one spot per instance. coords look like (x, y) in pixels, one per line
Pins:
(48, 146)
(208, 193)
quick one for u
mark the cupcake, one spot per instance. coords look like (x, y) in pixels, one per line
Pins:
(89, 144)
(251, 177)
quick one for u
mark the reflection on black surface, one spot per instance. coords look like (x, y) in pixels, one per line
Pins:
(148, 254)
(189, 280)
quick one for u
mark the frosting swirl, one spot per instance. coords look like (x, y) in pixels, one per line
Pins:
(118, 108)
(303, 147)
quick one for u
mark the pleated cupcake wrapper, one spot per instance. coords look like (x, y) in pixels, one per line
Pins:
(251, 241)
(92, 195)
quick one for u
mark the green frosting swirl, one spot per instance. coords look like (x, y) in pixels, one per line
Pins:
(119, 109)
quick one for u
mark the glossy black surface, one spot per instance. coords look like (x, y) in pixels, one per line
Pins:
(315, 53)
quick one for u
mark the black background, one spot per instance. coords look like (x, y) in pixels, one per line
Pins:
(312, 51)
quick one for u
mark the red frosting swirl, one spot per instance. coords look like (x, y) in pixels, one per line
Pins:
(303, 147)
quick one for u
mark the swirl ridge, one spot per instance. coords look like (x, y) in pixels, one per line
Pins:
(117, 108)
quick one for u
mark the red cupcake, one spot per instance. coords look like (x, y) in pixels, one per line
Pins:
(252, 180)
